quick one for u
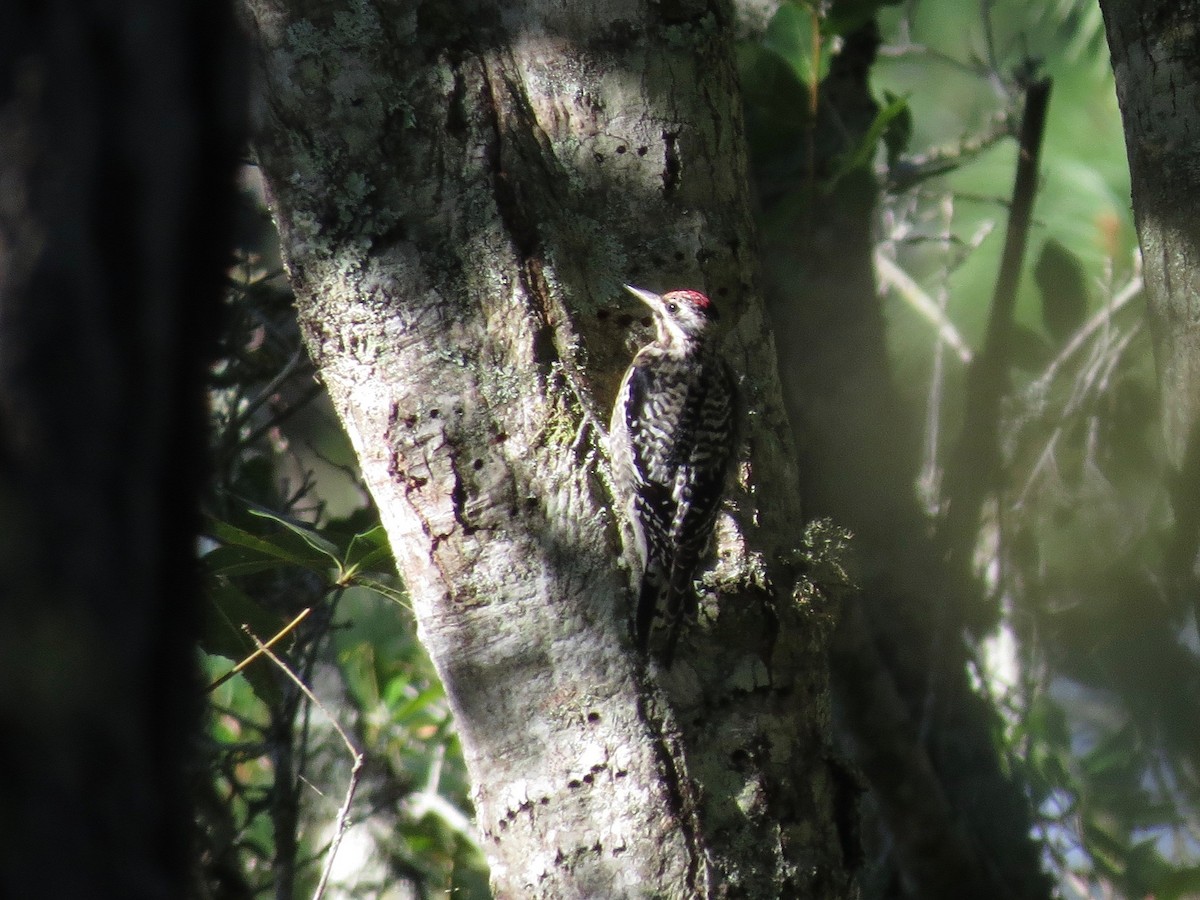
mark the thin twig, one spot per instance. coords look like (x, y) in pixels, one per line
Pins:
(341, 823)
(282, 416)
(1093, 381)
(931, 468)
(1081, 336)
(925, 306)
(242, 416)
(284, 632)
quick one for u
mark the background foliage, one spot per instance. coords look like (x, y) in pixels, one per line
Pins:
(1093, 668)
(1091, 663)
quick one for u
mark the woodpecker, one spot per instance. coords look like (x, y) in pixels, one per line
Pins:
(671, 441)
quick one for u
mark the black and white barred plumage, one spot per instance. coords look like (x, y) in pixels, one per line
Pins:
(671, 440)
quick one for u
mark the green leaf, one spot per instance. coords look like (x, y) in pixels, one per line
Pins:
(1028, 349)
(231, 561)
(1178, 883)
(790, 35)
(1060, 278)
(420, 706)
(222, 634)
(359, 666)
(899, 130)
(267, 547)
(310, 537)
(776, 106)
(396, 595)
(230, 609)
(1108, 850)
(862, 155)
(368, 550)
(1117, 755)
(1144, 869)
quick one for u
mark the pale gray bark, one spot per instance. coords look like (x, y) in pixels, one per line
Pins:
(460, 189)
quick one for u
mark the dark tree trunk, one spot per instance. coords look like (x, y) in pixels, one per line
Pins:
(1157, 71)
(954, 824)
(118, 135)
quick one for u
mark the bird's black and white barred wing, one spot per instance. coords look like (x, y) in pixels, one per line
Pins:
(703, 462)
(643, 469)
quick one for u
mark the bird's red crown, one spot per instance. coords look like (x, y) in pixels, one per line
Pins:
(694, 299)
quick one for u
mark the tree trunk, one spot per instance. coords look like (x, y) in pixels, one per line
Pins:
(460, 192)
(119, 128)
(1158, 88)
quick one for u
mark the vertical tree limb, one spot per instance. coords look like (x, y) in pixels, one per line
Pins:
(973, 466)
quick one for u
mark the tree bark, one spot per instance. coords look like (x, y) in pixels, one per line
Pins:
(119, 130)
(1152, 43)
(460, 190)
(1158, 88)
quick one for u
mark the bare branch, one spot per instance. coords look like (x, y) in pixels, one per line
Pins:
(263, 648)
(341, 823)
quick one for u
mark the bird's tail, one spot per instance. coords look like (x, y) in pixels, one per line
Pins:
(678, 605)
(664, 593)
(656, 583)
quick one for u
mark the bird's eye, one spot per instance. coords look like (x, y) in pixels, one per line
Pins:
(672, 308)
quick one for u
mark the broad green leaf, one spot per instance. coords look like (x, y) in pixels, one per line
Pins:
(368, 550)
(310, 537)
(268, 547)
(231, 560)
(790, 35)
(1028, 350)
(361, 672)
(1060, 278)
(396, 595)
(420, 706)
(230, 609)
